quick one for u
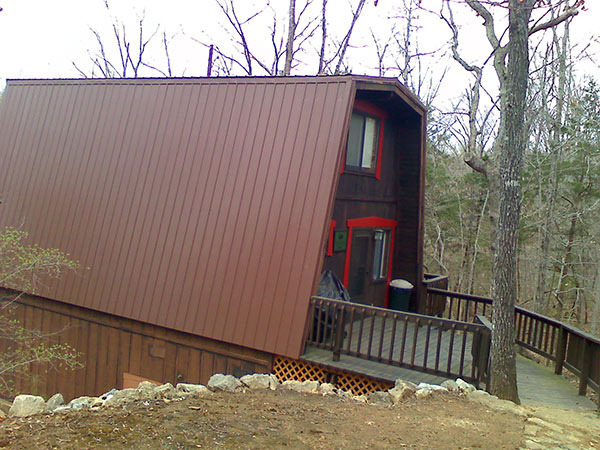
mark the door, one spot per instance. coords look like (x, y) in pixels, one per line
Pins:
(369, 265)
(358, 280)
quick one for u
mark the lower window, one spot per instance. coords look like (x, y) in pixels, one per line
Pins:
(381, 250)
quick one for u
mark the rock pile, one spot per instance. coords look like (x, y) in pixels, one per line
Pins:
(28, 405)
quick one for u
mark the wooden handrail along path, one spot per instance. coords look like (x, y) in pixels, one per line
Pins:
(428, 344)
(567, 346)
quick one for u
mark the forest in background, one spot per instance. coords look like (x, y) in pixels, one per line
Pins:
(559, 251)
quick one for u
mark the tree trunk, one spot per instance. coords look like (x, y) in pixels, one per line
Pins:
(323, 38)
(562, 299)
(346, 40)
(289, 48)
(503, 379)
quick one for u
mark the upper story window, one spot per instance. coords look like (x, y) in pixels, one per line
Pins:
(365, 139)
(363, 142)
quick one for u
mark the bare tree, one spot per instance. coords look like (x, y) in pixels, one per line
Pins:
(243, 29)
(336, 60)
(120, 55)
(503, 170)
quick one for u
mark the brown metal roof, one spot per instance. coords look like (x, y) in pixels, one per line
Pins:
(197, 204)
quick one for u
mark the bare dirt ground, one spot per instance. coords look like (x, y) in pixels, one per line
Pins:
(275, 419)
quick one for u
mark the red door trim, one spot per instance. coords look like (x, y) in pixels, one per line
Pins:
(330, 243)
(370, 222)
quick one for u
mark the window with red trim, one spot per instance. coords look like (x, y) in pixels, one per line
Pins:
(363, 143)
(365, 139)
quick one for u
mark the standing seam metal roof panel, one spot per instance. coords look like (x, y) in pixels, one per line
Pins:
(196, 204)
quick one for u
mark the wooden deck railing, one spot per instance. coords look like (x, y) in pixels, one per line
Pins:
(567, 346)
(428, 344)
(435, 304)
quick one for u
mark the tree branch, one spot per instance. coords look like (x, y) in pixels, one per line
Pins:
(571, 12)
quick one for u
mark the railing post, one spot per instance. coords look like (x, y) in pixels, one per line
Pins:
(311, 322)
(561, 350)
(339, 334)
(483, 345)
(476, 355)
(586, 364)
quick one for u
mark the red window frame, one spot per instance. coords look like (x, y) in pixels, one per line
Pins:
(369, 108)
(370, 222)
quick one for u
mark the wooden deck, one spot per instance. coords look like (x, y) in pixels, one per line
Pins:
(538, 385)
(431, 348)
(388, 345)
(359, 366)
(433, 345)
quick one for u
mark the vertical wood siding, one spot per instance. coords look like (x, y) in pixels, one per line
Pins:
(110, 347)
(199, 205)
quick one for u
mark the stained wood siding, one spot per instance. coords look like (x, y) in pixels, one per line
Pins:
(199, 205)
(399, 194)
(111, 346)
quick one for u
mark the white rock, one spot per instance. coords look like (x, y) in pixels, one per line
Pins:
(450, 386)
(380, 398)
(122, 397)
(96, 403)
(146, 389)
(401, 392)
(344, 394)
(54, 402)
(198, 390)
(464, 386)
(432, 387)
(62, 408)
(81, 402)
(327, 389)
(275, 384)
(258, 381)
(227, 383)
(361, 398)
(403, 383)
(291, 385)
(27, 405)
(164, 390)
(423, 393)
(310, 387)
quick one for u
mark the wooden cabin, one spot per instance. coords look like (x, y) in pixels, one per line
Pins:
(203, 212)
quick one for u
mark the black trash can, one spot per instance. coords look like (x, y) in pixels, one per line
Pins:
(400, 294)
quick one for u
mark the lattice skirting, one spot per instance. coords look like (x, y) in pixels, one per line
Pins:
(293, 369)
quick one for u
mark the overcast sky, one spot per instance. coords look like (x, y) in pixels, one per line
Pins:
(42, 39)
